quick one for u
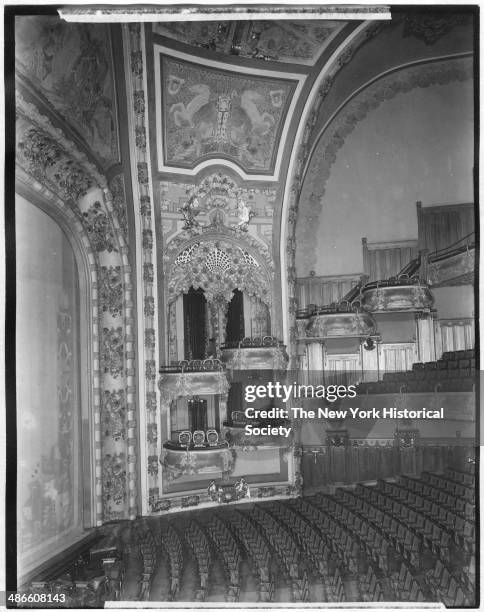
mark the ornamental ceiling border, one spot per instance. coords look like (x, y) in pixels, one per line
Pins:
(59, 172)
(233, 71)
(385, 87)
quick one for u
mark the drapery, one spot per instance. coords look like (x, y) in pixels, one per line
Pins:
(235, 318)
(194, 318)
(197, 410)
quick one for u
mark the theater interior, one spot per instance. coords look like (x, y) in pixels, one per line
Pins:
(203, 206)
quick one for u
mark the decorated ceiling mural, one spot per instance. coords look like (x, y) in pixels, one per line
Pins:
(301, 42)
(71, 65)
(211, 113)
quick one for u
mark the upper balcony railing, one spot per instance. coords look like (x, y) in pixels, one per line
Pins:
(193, 365)
(257, 342)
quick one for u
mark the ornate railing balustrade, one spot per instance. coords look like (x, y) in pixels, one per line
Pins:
(193, 365)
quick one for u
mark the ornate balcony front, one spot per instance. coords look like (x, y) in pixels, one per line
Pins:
(335, 322)
(178, 460)
(195, 377)
(266, 353)
(401, 296)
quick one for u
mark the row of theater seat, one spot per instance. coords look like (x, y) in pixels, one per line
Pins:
(407, 540)
(228, 550)
(198, 542)
(455, 371)
(149, 556)
(429, 385)
(463, 354)
(257, 550)
(172, 546)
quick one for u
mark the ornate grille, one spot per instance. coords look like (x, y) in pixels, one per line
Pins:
(218, 261)
(186, 255)
(249, 260)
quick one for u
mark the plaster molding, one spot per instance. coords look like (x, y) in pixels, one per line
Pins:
(146, 262)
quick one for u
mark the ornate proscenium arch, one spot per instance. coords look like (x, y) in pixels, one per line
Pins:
(49, 164)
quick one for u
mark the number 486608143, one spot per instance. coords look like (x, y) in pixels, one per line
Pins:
(36, 598)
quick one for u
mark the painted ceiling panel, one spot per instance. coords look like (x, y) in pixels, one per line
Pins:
(213, 113)
(286, 41)
(71, 65)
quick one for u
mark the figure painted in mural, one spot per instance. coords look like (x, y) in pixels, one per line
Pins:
(245, 214)
(189, 211)
(71, 65)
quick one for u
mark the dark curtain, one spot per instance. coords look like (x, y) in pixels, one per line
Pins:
(235, 318)
(194, 306)
(234, 400)
(197, 410)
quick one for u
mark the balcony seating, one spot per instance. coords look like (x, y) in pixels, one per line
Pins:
(455, 371)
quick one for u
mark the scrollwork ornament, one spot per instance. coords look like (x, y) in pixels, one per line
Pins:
(114, 479)
(112, 352)
(111, 290)
(114, 414)
(98, 227)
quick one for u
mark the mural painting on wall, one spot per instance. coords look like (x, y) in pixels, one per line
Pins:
(300, 42)
(48, 509)
(209, 112)
(71, 65)
(213, 35)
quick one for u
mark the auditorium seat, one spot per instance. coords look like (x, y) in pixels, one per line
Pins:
(454, 371)
(408, 540)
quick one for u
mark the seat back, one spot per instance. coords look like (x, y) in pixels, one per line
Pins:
(212, 437)
(199, 437)
(185, 437)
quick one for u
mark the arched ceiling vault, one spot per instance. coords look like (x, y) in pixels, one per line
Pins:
(332, 137)
(425, 48)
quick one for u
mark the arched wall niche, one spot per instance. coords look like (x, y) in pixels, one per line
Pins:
(304, 199)
(359, 109)
(218, 264)
(49, 165)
